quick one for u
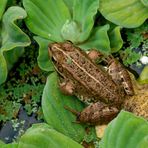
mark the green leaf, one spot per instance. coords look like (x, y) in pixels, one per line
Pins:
(53, 102)
(143, 79)
(1, 143)
(129, 56)
(43, 58)
(2, 7)
(83, 13)
(11, 145)
(69, 4)
(126, 131)
(71, 31)
(145, 2)
(46, 18)
(78, 29)
(115, 38)
(98, 39)
(13, 40)
(44, 136)
(124, 13)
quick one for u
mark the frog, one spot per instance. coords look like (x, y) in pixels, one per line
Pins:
(104, 91)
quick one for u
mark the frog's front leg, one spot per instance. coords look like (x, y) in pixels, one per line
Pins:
(95, 55)
(66, 87)
(96, 113)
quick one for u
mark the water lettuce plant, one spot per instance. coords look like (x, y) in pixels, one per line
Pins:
(126, 130)
(74, 20)
(13, 40)
(62, 20)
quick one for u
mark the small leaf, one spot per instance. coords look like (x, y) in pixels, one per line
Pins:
(71, 31)
(126, 131)
(98, 40)
(83, 13)
(143, 79)
(115, 38)
(128, 14)
(44, 136)
(46, 18)
(53, 102)
(43, 58)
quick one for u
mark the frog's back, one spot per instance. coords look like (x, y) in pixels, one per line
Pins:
(92, 83)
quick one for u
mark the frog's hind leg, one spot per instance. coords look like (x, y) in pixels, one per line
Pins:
(96, 113)
(120, 75)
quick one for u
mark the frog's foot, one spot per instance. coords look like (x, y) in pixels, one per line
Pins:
(97, 113)
(67, 87)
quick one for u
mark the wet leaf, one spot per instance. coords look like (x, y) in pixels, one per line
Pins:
(128, 14)
(2, 7)
(115, 38)
(69, 4)
(43, 58)
(11, 145)
(83, 13)
(79, 28)
(98, 40)
(46, 18)
(13, 40)
(44, 136)
(145, 2)
(126, 131)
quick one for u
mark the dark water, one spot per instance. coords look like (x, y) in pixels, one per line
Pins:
(8, 133)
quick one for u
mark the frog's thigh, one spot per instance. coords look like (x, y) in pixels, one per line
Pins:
(98, 113)
(67, 87)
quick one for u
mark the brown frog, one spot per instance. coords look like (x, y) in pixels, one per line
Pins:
(104, 91)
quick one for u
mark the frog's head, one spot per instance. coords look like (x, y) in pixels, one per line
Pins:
(58, 51)
(55, 51)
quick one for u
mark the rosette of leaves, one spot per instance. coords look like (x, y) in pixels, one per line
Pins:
(125, 13)
(60, 20)
(13, 40)
(126, 131)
